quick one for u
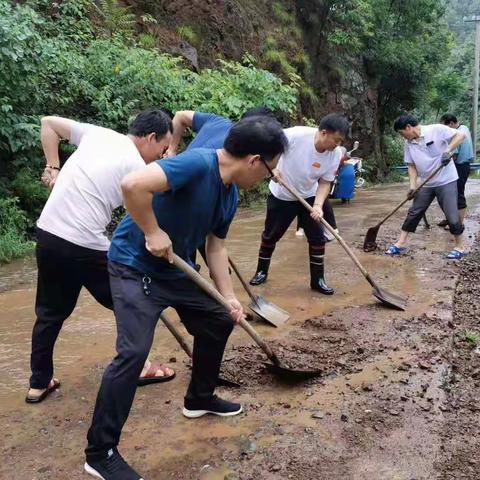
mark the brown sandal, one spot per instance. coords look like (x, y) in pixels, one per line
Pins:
(152, 377)
(53, 385)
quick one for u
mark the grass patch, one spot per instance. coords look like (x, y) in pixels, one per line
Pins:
(471, 337)
(188, 34)
(282, 14)
(13, 224)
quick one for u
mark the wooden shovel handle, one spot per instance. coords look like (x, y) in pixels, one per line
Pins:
(173, 330)
(243, 282)
(340, 240)
(403, 202)
(213, 292)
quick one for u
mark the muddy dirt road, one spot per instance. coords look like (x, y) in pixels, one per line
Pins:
(397, 400)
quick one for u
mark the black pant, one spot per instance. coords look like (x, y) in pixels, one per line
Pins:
(63, 269)
(137, 315)
(281, 213)
(328, 215)
(463, 170)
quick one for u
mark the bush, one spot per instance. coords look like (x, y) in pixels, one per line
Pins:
(13, 224)
(55, 60)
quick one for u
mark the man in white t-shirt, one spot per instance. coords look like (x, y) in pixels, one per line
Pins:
(71, 242)
(309, 165)
(426, 148)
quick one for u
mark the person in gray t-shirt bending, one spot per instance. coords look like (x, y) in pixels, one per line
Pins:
(426, 148)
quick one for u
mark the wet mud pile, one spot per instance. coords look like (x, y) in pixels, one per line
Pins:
(321, 343)
(461, 435)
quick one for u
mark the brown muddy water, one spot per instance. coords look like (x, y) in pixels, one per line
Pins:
(375, 412)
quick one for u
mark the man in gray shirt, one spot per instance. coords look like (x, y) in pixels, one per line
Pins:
(426, 148)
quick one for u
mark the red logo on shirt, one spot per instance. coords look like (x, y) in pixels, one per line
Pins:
(316, 165)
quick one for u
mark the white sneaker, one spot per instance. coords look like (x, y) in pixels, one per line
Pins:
(300, 233)
(329, 236)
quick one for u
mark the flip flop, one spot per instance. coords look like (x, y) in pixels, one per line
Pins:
(455, 254)
(151, 377)
(394, 250)
(40, 398)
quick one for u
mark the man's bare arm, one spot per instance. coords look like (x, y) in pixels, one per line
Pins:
(456, 141)
(54, 129)
(181, 121)
(138, 188)
(217, 258)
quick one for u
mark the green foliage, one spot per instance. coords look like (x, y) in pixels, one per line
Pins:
(188, 34)
(393, 149)
(409, 44)
(233, 88)
(31, 193)
(447, 87)
(13, 224)
(147, 41)
(349, 24)
(472, 337)
(281, 13)
(277, 60)
(98, 73)
(116, 20)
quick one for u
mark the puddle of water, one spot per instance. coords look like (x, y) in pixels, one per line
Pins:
(87, 343)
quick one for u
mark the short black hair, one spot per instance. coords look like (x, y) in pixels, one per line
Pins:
(403, 120)
(279, 115)
(259, 112)
(152, 120)
(448, 118)
(258, 135)
(334, 122)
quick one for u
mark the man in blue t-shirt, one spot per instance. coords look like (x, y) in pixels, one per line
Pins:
(210, 132)
(174, 205)
(210, 129)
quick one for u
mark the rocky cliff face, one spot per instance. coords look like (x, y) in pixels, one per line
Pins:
(283, 36)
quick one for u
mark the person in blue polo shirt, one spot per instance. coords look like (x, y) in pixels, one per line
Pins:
(462, 158)
(210, 132)
(175, 205)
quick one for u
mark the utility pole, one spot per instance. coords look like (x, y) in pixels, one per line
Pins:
(474, 125)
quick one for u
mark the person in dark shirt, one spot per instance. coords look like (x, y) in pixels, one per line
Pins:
(175, 205)
(210, 132)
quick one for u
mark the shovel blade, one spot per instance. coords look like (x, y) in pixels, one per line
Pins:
(290, 374)
(223, 382)
(269, 312)
(390, 299)
(370, 242)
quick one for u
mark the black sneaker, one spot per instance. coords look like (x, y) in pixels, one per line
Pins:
(112, 467)
(214, 405)
(259, 278)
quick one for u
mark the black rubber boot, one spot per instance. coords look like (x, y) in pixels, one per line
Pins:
(317, 271)
(261, 274)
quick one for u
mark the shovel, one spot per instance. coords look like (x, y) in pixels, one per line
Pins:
(387, 298)
(370, 243)
(270, 312)
(188, 350)
(276, 366)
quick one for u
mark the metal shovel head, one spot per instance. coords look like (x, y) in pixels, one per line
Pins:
(370, 243)
(270, 312)
(390, 299)
(223, 382)
(290, 374)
